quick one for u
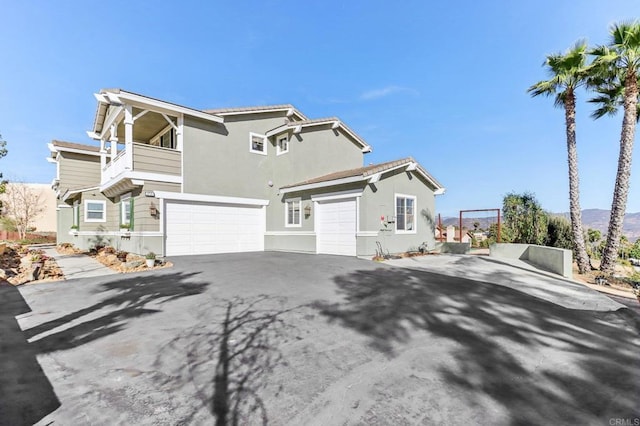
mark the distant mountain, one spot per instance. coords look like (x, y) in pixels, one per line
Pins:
(591, 218)
(599, 219)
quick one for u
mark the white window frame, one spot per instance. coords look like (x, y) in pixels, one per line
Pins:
(125, 200)
(280, 151)
(286, 213)
(86, 210)
(415, 216)
(76, 214)
(264, 143)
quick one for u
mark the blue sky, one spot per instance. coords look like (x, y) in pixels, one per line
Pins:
(444, 83)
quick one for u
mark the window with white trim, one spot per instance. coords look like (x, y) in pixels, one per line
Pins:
(125, 210)
(257, 143)
(283, 145)
(405, 214)
(292, 212)
(95, 211)
(76, 214)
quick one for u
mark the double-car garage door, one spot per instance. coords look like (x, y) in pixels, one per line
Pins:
(206, 228)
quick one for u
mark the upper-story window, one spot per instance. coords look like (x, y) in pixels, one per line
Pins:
(283, 145)
(257, 143)
(95, 211)
(405, 214)
(168, 139)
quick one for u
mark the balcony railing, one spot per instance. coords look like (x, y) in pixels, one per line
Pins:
(146, 159)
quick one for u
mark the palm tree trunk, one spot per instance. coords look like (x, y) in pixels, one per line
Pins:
(621, 190)
(579, 246)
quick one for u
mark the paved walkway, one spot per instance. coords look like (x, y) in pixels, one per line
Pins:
(78, 265)
(514, 274)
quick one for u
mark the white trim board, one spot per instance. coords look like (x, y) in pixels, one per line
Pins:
(290, 233)
(337, 195)
(117, 233)
(181, 196)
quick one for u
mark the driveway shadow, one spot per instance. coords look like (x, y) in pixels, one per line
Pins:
(124, 299)
(26, 395)
(589, 369)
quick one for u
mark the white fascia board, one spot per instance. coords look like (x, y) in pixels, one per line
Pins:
(181, 196)
(93, 135)
(277, 130)
(256, 111)
(138, 179)
(68, 194)
(101, 98)
(52, 147)
(439, 190)
(161, 106)
(51, 160)
(337, 195)
(77, 151)
(322, 184)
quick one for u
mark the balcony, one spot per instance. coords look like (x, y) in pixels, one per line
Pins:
(128, 169)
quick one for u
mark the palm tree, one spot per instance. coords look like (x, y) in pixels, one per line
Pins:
(617, 67)
(568, 72)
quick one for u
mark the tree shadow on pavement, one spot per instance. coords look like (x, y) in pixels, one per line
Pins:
(229, 355)
(26, 395)
(124, 299)
(543, 363)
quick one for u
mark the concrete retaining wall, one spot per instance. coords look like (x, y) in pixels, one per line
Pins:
(453, 248)
(556, 260)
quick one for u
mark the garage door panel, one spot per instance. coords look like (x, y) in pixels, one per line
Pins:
(201, 228)
(336, 227)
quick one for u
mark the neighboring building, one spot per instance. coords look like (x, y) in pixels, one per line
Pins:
(176, 181)
(45, 221)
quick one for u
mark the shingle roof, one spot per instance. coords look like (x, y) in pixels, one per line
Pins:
(263, 108)
(364, 172)
(73, 145)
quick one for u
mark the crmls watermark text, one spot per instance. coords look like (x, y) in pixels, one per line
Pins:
(634, 421)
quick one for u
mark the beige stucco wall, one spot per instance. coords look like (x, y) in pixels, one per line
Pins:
(46, 221)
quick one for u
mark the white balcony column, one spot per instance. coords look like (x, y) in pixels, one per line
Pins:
(128, 136)
(113, 141)
(180, 132)
(103, 155)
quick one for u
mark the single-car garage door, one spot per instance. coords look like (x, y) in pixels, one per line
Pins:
(205, 228)
(336, 227)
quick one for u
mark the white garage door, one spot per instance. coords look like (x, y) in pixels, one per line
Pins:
(205, 228)
(336, 227)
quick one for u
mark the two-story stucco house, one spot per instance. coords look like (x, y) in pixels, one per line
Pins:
(176, 181)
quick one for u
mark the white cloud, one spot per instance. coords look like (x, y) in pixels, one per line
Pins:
(386, 91)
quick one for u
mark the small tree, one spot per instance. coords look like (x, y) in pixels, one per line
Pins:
(559, 233)
(595, 237)
(524, 218)
(23, 205)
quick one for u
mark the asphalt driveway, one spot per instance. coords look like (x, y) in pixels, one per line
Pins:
(304, 339)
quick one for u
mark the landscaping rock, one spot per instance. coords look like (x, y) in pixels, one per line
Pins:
(25, 262)
(133, 264)
(111, 259)
(3, 274)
